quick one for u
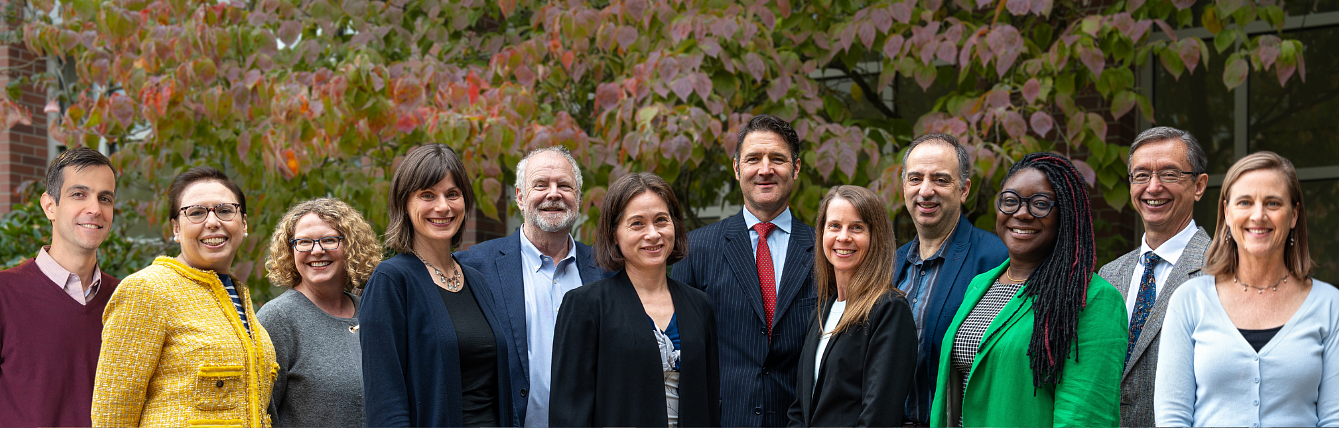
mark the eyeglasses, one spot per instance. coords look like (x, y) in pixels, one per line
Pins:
(198, 213)
(327, 243)
(1038, 205)
(1170, 175)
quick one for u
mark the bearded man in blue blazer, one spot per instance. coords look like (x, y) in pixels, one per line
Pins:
(529, 272)
(935, 268)
(762, 289)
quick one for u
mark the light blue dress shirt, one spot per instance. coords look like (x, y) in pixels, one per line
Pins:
(1208, 375)
(777, 241)
(546, 282)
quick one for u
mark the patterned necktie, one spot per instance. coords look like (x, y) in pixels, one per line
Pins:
(766, 274)
(1144, 303)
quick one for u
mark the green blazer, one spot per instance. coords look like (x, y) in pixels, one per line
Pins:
(1000, 391)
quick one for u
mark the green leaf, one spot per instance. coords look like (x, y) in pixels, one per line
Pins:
(1224, 40)
(1210, 20)
(1145, 107)
(1234, 74)
(1118, 196)
(1064, 84)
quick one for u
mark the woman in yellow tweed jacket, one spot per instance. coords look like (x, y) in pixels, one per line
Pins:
(180, 342)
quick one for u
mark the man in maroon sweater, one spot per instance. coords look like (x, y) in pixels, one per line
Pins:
(51, 305)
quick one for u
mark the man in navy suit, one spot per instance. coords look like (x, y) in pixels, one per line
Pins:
(531, 270)
(763, 290)
(935, 268)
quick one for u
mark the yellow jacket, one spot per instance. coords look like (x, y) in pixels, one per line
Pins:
(174, 353)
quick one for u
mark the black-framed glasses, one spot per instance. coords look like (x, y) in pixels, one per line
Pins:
(1169, 175)
(1038, 205)
(224, 211)
(327, 243)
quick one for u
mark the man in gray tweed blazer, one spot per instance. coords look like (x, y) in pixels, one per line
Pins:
(1167, 175)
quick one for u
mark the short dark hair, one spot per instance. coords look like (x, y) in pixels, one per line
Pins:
(769, 123)
(1199, 162)
(196, 175)
(79, 158)
(422, 168)
(964, 163)
(607, 253)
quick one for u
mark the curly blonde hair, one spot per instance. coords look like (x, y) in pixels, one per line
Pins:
(361, 247)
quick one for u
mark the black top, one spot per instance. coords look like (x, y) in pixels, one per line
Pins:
(478, 357)
(1259, 338)
(606, 359)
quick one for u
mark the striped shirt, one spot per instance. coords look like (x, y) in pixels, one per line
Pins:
(236, 300)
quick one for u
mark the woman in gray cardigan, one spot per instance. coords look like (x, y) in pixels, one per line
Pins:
(322, 250)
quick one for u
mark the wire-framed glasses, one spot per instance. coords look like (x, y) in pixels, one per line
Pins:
(1038, 205)
(327, 243)
(1170, 175)
(224, 211)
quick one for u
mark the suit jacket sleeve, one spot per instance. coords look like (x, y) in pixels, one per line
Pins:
(795, 414)
(890, 364)
(383, 326)
(576, 347)
(1174, 388)
(1089, 390)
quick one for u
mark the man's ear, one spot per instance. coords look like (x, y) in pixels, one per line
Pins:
(49, 206)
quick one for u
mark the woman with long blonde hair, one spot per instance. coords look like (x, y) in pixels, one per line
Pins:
(860, 353)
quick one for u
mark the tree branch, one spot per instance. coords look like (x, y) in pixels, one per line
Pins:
(871, 95)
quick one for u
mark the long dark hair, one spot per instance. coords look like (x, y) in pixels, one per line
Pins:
(1061, 280)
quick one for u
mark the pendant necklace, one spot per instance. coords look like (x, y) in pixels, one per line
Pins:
(1260, 290)
(453, 284)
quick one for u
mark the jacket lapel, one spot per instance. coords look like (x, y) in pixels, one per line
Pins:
(510, 294)
(975, 291)
(953, 260)
(799, 266)
(1124, 272)
(1016, 310)
(1189, 265)
(739, 258)
(586, 266)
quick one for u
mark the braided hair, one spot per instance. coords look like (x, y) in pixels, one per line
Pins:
(1062, 278)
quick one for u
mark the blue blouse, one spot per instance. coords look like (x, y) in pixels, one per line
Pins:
(1209, 375)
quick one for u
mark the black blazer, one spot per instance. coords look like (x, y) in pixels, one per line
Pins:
(606, 362)
(759, 372)
(866, 373)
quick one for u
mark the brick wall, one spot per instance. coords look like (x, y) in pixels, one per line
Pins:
(23, 148)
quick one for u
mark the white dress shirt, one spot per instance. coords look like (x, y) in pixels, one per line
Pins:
(1169, 252)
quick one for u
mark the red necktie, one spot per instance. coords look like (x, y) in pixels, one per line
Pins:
(766, 275)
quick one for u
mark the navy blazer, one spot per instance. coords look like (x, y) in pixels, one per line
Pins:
(411, 365)
(972, 252)
(499, 260)
(757, 372)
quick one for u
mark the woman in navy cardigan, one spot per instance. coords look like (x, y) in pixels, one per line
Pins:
(434, 352)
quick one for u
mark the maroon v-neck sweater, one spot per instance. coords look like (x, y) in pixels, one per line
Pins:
(48, 349)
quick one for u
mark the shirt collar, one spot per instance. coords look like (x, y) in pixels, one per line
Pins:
(534, 259)
(1171, 250)
(58, 275)
(914, 254)
(782, 221)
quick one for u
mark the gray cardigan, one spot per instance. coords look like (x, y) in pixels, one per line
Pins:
(320, 380)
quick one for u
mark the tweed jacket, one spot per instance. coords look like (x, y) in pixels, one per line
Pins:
(175, 353)
(1136, 384)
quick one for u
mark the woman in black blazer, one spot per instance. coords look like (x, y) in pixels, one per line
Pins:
(636, 349)
(860, 354)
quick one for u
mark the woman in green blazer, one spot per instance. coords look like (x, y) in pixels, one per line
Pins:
(1040, 340)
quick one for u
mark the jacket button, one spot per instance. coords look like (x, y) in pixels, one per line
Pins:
(757, 410)
(764, 371)
(219, 384)
(763, 330)
(524, 392)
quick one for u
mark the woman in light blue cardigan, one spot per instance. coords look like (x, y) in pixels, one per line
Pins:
(1254, 343)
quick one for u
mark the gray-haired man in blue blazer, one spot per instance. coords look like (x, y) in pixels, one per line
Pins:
(935, 268)
(530, 271)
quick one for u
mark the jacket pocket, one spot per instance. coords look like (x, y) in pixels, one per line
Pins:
(218, 387)
(202, 423)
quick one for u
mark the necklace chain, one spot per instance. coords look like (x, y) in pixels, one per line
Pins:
(1261, 290)
(452, 284)
(1011, 277)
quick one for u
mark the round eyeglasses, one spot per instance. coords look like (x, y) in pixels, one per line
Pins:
(197, 213)
(1038, 205)
(327, 243)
